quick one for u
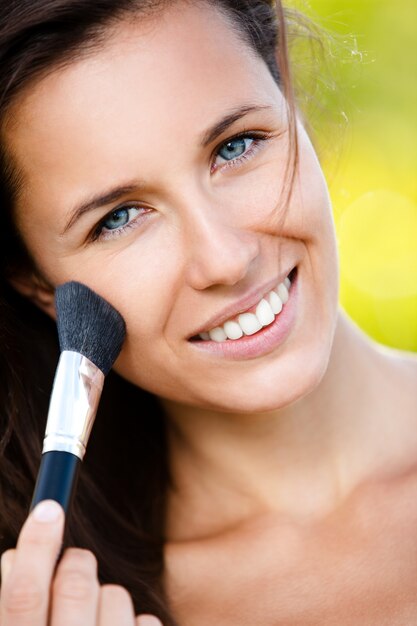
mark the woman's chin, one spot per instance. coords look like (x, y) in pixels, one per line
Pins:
(264, 391)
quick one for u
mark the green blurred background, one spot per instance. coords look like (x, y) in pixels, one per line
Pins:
(361, 99)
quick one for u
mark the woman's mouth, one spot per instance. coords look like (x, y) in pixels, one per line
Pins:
(255, 319)
(254, 337)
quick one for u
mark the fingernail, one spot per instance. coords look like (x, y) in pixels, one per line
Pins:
(149, 620)
(47, 511)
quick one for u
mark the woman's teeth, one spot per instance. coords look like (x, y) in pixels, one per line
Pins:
(249, 323)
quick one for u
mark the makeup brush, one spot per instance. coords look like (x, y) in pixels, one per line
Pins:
(91, 333)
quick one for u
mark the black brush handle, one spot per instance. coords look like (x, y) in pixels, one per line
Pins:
(57, 478)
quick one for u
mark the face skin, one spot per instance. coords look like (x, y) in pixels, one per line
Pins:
(208, 234)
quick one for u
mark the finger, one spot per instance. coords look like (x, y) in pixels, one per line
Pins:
(148, 620)
(25, 594)
(115, 607)
(75, 590)
(7, 559)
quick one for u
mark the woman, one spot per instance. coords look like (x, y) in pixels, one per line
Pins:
(254, 457)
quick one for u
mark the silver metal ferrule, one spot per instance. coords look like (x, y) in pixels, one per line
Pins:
(74, 400)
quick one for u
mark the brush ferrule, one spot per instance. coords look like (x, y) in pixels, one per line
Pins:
(75, 396)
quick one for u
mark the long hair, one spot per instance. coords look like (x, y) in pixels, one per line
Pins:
(123, 526)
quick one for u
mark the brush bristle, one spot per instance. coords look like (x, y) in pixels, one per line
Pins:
(89, 325)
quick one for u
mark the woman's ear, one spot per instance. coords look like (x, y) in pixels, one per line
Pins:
(36, 289)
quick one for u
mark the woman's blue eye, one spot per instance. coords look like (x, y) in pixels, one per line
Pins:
(119, 218)
(234, 148)
(117, 222)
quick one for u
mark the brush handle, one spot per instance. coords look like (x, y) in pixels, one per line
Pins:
(57, 478)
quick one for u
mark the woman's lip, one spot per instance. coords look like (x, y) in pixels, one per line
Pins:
(241, 306)
(262, 342)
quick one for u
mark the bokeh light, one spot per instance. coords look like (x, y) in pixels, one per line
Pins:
(368, 149)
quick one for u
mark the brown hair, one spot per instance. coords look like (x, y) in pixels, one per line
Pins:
(123, 527)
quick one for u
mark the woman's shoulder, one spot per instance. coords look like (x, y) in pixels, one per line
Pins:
(399, 368)
(403, 361)
(395, 423)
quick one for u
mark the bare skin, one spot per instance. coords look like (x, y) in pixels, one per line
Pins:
(356, 566)
(322, 553)
(295, 472)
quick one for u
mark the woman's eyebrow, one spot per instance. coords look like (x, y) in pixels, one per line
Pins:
(230, 118)
(115, 193)
(98, 201)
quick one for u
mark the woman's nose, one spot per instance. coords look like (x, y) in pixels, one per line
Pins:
(218, 253)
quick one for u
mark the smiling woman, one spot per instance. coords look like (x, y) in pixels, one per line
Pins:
(152, 150)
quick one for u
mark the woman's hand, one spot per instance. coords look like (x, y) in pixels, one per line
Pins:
(34, 594)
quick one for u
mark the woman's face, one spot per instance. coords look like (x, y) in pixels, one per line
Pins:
(185, 228)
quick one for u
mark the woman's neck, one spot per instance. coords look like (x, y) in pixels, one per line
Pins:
(300, 461)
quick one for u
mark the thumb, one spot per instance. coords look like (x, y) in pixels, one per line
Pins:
(40, 540)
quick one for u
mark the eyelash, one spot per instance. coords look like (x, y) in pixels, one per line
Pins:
(258, 139)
